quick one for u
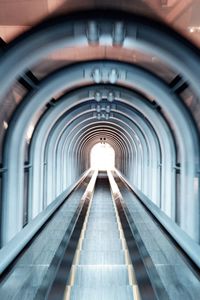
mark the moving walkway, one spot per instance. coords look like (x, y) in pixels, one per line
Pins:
(95, 246)
(102, 267)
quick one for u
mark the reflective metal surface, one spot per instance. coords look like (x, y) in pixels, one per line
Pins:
(135, 85)
(102, 270)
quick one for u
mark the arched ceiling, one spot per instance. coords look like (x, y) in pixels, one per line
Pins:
(18, 16)
(75, 77)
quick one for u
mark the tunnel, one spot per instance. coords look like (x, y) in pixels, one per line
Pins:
(100, 150)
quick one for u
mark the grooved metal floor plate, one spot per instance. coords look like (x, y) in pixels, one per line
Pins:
(101, 272)
(117, 293)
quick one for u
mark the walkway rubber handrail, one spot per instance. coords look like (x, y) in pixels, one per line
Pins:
(190, 247)
(10, 251)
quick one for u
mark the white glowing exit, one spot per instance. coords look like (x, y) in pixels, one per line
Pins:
(102, 157)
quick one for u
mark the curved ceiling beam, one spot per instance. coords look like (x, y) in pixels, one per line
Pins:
(55, 116)
(61, 126)
(51, 160)
(112, 124)
(101, 130)
(108, 29)
(134, 78)
(73, 150)
(94, 139)
(137, 136)
(37, 149)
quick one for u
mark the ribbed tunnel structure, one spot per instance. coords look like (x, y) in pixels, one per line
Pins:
(149, 115)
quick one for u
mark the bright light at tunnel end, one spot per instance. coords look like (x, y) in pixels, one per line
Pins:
(102, 157)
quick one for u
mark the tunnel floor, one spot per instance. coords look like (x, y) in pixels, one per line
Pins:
(119, 251)
(102, 271)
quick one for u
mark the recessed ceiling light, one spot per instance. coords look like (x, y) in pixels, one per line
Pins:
(5, 124)
(194, 29)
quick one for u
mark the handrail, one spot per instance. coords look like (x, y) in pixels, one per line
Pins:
(149, 284)
(55, 281)
(190, 247)
(10, 251)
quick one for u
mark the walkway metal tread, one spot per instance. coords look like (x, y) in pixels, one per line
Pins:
(101, 276)
(101, 270)
(102, 257)
(118, 293)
